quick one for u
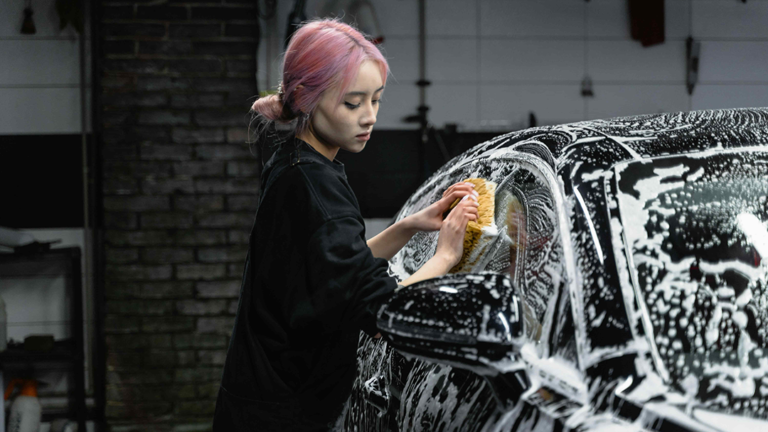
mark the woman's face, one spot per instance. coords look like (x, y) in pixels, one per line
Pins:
(348, 124)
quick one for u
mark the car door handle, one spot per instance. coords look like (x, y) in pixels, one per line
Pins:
(376, 393)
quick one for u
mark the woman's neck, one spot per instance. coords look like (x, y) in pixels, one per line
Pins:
(310, 138)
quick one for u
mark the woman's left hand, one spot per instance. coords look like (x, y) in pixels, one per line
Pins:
(431, 218)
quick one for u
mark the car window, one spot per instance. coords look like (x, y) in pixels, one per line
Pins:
(695, 238)
(423, 245)
(527, 240)
(526, 208)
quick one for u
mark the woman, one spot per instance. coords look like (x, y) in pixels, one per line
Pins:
(311, 281)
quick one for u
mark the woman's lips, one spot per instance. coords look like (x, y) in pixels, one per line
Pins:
(364, 137)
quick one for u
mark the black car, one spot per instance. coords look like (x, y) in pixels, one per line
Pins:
(622, 287)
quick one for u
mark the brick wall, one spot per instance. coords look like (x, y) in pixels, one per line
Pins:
(180, 189)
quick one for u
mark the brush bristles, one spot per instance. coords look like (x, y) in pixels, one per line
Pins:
(472, 238)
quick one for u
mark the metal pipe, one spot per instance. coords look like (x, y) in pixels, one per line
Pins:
(422, 54)
(86, 296)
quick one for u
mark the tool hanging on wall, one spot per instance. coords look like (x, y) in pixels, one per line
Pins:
(71, 12)
(358, 13)
(692, 53)
(692, 49)
(366, 19)
(586, 81)
(297, 16)
(586, 87)
(28, 26)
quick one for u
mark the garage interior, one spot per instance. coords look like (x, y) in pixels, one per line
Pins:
(124, 145)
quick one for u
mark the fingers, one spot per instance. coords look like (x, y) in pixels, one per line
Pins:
(461, 186)
(454, 227)
(470, 201)
(471, 209)
(466, 187)
(464, 217)
(451, 197)
(467, 208)
(465, 202)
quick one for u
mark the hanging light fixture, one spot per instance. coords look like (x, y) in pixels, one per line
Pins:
(28, 27)
(367, 21)
(359, 13)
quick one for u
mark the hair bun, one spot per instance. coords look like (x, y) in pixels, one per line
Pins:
(271, 107)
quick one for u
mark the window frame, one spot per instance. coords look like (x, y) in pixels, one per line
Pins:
(544, 170)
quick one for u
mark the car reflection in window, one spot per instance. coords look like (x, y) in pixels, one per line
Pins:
(517, 232)
(525, 208)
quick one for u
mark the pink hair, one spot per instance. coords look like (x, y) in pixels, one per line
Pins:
(321, 54)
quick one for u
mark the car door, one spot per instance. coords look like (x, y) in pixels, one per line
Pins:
(429, 396)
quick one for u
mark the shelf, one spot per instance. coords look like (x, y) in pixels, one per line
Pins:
(54, 262)
(62, 352)
(62, 262)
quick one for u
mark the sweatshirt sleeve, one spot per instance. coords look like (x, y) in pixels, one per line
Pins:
(347, 284)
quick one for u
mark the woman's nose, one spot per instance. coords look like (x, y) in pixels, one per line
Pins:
(369, 117)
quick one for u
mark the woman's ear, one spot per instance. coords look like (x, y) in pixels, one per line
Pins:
(298, 90)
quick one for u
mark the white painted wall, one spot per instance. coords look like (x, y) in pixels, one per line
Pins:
(40, 94)
(489, 60)
(493, 61)
(40, 73)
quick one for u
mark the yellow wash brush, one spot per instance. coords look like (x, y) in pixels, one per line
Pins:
(479, 232)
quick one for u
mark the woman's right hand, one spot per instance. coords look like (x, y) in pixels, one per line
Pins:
(450, 243)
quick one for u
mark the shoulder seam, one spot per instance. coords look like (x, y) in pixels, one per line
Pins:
(326, 215)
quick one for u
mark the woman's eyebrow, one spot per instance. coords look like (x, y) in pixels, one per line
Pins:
(361, 93)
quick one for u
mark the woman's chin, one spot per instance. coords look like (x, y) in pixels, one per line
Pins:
(356, 147)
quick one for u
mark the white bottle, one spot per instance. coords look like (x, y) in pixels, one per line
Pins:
(26, 410)
(3, 327)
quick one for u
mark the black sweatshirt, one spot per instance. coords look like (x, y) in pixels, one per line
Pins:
(310, 285)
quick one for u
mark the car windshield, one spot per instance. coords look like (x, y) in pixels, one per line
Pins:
(695, 240)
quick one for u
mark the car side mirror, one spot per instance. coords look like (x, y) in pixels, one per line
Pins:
(469, 321)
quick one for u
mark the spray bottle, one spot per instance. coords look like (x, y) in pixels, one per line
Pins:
(25, 411)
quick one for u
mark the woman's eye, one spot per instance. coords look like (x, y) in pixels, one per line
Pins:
(355, 106)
